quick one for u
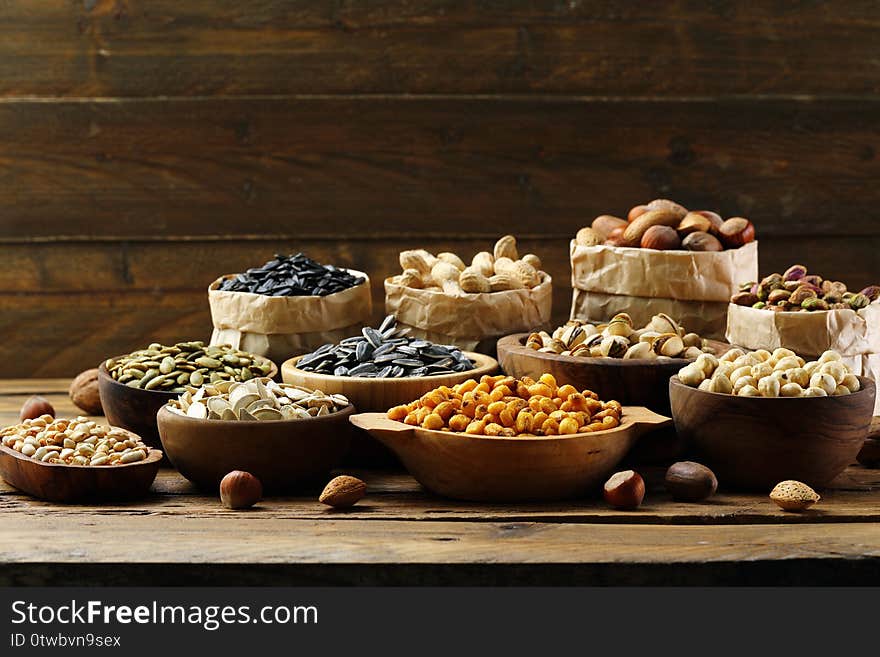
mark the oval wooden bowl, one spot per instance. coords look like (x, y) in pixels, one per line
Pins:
(637, 382)
(377, 395)
(135, 409)
(756, 442)
(56, 482)
(282, 454)
(484, 469)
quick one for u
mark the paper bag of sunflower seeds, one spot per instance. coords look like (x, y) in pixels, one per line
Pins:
(692, 287)
(282, 327)
(473, 322)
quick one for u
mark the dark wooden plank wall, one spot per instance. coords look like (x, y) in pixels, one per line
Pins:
(146, 147)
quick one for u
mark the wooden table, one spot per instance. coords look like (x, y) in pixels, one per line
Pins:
(402, 535)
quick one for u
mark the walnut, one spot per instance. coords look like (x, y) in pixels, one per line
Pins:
(84, 392)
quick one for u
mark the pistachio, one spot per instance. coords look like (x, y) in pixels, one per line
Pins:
(814, 303)
(614, 346)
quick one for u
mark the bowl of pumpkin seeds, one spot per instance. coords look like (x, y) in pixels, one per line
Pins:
(285, 435)
(135, 386)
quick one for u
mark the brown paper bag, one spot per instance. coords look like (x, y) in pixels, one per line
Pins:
(692, 287)
(282, 327)
(470, 321)
(855, 335)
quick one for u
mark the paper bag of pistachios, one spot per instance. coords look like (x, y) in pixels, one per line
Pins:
(692, 286)
(471, 321)
(280, 327)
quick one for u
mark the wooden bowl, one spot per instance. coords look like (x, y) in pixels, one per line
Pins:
(756, 442)
(378, 395)
(56, 482)
(484, 469)
(282, 454)
(636, 382)
(135, 409)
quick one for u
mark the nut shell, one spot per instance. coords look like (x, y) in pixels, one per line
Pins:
(736, 231)
(474, 282)
(505, 247)
(588, 237)
(605, 223)
(35, 407)
(624, 490)
(791, 495)
(84, 392)
(633, 234)
(343, 491)
(662, 238)
(702, 241)
(692, 222)
(668, 206)
(690, 482)
(240, 490)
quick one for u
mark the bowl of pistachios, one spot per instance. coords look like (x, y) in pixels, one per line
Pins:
(289, 437)
(761, 417)
(135, 386)
(623, 362)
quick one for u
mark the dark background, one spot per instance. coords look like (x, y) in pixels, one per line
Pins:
(147, 147)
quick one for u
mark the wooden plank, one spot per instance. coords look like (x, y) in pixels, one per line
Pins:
(70, 305)
(416, 167)
(397, 496)
(109, 48)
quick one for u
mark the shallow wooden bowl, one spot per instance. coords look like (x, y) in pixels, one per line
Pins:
(637, 382)
(282, 454)
(484, 469)
(135, 409)
(369, 395)
(756, 442)
(78, 483)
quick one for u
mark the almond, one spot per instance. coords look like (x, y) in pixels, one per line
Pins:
(793, 495)
(633, 234)
(343, 491)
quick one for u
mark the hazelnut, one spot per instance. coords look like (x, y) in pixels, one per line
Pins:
(615, 238)
(35, 407)
(701, 241)
(625, 490)
(240, 490)
(694, 221)
(662, 238)
(84, 392)
(737, 231)
(636, 212)
(690, 482)
(604, 224)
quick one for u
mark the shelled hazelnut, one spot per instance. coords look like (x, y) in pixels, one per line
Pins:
(795, 290)
(666, 225)
(661, 337)
(761, 373)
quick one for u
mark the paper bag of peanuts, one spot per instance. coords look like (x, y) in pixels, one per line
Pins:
(446, 301)
(662, 258)
(809, 315)
(289, 309)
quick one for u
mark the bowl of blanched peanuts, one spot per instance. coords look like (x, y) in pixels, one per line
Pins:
(760, 417)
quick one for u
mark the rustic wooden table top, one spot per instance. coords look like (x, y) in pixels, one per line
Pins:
(399, 534)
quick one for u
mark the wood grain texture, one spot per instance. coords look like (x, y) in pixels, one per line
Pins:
(407, 167)
(674, 47)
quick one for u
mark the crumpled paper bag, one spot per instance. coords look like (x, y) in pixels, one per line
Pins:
(282, 327)
(470, 321)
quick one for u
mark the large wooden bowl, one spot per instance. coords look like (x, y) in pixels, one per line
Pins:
(485, 469)
(135, 409)
(756, 442)
(283, 454)
(637, 382)
(79, 483)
